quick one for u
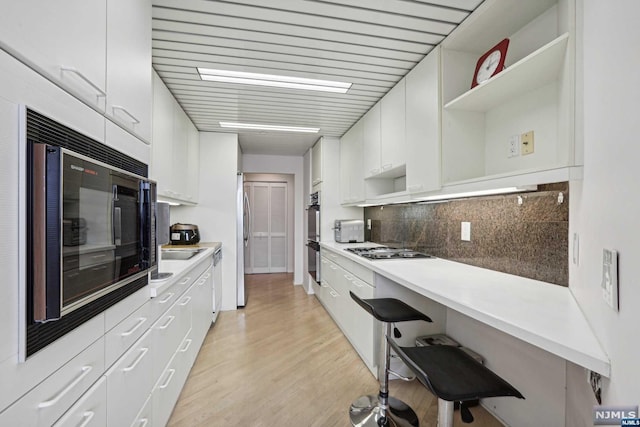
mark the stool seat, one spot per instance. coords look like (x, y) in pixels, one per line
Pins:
(389, 310)
(453, 375)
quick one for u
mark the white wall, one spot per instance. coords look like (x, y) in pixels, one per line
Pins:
(253, 163)
(605, 204)
(216, 212)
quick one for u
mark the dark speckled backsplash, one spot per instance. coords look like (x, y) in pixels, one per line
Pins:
(529, 240)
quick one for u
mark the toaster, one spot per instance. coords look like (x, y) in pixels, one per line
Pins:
(348, 230)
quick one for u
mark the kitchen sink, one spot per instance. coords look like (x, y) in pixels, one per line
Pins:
(180, 254)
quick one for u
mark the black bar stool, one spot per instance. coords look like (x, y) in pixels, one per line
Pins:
(453, 376)
(383, 410)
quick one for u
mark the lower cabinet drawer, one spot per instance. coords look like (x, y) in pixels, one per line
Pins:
(46, 403)
(125, 333)
(90, 410)
(166, 338)
(129, 383)
(168, 387)
(145, 416)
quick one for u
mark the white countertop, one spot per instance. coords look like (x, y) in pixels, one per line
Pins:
(540, 313)
(179, 267)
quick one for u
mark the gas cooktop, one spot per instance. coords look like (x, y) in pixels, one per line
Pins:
(383, 252)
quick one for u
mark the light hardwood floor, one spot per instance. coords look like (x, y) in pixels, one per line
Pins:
(282, 361)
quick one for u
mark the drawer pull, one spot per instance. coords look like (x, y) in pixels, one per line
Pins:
(95, 87)
(166, 325)
(186, 347)
(139, 323)
(85, 371)
(186, 301)
(348, 276)
(166, 299)
(185, 281)
(333, 294)
(143, 352)
(207, 276)
(132, 118)
(143, 422)
(87, 417)
(355, 282)
(202, 281)
(166, 383)
(333, 267)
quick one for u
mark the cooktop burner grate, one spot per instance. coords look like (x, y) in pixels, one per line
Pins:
(384, 252)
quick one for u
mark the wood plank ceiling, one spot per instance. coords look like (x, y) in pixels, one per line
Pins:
(371, 44)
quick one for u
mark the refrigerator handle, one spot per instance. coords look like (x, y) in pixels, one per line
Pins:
(247, 233)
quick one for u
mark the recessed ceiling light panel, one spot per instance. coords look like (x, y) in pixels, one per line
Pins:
(272, 80)
(273, 128)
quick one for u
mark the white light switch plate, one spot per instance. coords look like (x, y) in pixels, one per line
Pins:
(465, 231)
(610, 277)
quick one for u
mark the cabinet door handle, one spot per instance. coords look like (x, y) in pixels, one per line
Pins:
(374, 171)
(348, 276)
(87, 417)
(333, 267)
(186, 347)
(130, 368)
(84, 372)
(185, 301)
(333, 294)
(166, 299)
(185, 281)
(143, 422)
(168, 381)
(139, 323)
(166, 325)
(202, 282)
(387, 166)
(133, 118)
(355, 282)
(84, 78)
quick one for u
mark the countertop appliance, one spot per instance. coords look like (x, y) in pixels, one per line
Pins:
(313, 236)
(243, 234)
(383, 252)
(184, 234)
(348, 230)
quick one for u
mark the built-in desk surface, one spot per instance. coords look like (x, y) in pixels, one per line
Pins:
(539, 313)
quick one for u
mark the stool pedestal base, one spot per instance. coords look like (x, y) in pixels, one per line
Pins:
(366, 412)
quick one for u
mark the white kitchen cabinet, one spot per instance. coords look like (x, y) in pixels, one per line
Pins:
(316, 163)
(423, 124)
(64, 40)
(90, 410)
(175, 149)
(43, 405)
(392, 128)
(202, 292)
(145, 416)
(372, 141)
(127, 332)
(129, 84)
(351, 164)
(535, 92)
(129, 382)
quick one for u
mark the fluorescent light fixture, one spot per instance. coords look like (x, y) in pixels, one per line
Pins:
(226, 76)
(272, 128)
(490, 192)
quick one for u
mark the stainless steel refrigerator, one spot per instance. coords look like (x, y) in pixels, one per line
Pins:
(243, 228)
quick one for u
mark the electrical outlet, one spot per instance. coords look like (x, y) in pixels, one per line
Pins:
(513, 148)
(610, 277)
(465, 231)
(526, 140)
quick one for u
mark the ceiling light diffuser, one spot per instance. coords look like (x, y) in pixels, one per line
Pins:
(226, 76)
(273, 128)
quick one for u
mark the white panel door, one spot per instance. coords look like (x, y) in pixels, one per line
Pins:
(267, 248)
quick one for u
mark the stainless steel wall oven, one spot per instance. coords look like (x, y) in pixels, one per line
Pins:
(313, 236)
(90, 234)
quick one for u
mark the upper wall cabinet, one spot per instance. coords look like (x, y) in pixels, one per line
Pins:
(392, 129)
(97, 50)
(422, 126)
(64, 40)
(129, 86)
(175, 148)
(316, 164)
(351, 165)
(371, 141)
(522, 119)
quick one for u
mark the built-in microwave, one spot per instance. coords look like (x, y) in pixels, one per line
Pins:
(90, 232)
(89, 229)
